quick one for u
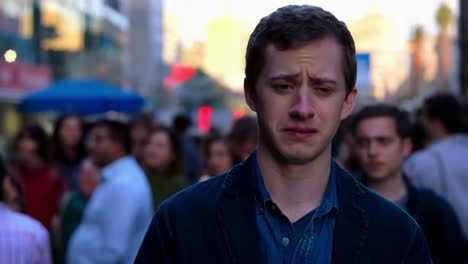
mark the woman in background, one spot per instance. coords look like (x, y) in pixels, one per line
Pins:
(42, 184)
(219, 157)
(163, 164)
(69, 147)
(73, 206)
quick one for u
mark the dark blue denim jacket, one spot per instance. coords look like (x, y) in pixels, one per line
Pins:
(215, 222)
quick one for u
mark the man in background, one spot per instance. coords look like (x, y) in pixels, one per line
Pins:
(192, 162)
(442, 166)
(120, 209)
(383, 140)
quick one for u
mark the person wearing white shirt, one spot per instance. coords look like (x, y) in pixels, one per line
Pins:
(23, 240)
(119, 212)
(442, 166)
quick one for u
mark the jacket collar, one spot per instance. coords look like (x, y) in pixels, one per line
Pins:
(351, 223)
(240, 181)
(237, 215)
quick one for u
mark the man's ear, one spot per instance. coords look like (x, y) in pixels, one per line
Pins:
(348, 104)
(250, 95)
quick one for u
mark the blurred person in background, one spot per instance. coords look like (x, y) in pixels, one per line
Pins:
(218, 157)
(464, 105)
(242, 138)
(163, 161)
(192, 158)
(442, 166)
(288, 202)
(41, 181)
(383, 142)
(72, 208)
(120, 209)
(68, 142)
(140, 129)
(347, 156)
(419, 137)
(22, 238)
(15, 198)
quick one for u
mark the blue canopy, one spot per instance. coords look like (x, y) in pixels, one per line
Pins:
(81, 96)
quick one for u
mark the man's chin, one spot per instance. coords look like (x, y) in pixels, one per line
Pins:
(298, 157)
(376, 177)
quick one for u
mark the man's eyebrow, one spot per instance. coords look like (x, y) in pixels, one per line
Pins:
(296, 77)
(319, 80)
(287, 77)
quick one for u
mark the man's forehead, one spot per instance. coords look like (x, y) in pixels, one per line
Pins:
(101, 130)
(274, 47)
(384, 125)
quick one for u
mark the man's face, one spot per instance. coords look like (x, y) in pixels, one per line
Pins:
(100, 146)
(380, 149)
(300, 99)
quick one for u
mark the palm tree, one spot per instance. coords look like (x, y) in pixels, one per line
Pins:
(444, 18)
(417, 60)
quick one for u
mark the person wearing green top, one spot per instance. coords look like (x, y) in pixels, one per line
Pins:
(163, 163)
(72, 208)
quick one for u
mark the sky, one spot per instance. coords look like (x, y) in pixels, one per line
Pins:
(193, 16)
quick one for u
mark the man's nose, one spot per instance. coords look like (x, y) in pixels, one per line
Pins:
(302, 108)
(373, 149)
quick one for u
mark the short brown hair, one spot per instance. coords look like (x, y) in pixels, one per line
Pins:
(293, 26)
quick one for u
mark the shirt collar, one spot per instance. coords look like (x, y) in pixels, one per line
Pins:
(111, 171)
(329, 203)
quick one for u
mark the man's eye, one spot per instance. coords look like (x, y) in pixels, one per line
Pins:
(323, 89)
(385, 141)
(282, 86)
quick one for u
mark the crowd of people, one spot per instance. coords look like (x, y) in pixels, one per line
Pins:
(71, 193)
(75, 186)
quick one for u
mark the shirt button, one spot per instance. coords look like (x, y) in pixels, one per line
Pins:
(285, 241)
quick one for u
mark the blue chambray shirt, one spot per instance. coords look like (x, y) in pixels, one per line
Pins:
(308, 240)
(116, 217)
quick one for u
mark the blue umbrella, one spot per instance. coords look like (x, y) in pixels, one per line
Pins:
(81, 96)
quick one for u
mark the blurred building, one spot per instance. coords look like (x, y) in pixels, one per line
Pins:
(54, 39)
(144, 59)
(172, 39)
(225, 51)
(378, 35)
(194, 55)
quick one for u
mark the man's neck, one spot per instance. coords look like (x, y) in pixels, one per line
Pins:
(392, 189)
(296, 189)
(115, 158)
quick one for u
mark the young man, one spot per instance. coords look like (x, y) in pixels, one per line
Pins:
(120, 210)
(382, 134)
(288, 202)
(442, 166)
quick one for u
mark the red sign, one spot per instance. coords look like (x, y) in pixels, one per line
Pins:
(204, 118)
(179, 74)
(23, 77)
